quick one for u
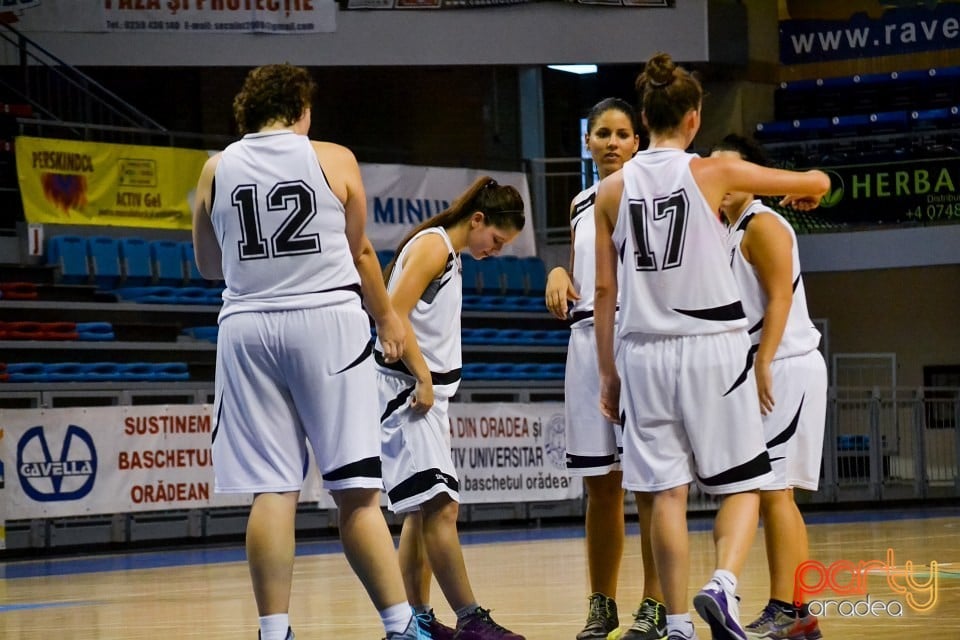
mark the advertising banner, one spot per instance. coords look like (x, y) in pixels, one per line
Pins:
(508, 452)
(399, 197)
(184, 16)
(75, 182)
(90, 183)
(920, 191)
(123, 459)
(919, 27)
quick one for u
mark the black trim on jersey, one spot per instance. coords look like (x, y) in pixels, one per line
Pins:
(744, 221)
(796, 283)
(589, 462)
(579, 207)
(583, 315)
(216, 428)
(791, 429)
(213, 191)
(347, 287)
(366, 468)
(756, 327)
(732, 311)
(772, 460)
(420, 482)
(740, 473)
(746, 369)
(396, 403)
(446, 377)
(623, 248)
(430, 293)
(367, 350)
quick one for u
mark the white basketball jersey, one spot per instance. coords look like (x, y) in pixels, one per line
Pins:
(674, 278)
(584, 249)
(799, 335)
(280, 227)
(436, 316)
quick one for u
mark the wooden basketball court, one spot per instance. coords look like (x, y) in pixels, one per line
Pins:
(534, 580)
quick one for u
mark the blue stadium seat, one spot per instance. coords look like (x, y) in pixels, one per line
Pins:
(515, 280)
(65, 372)
(536, 273)
(207, 334)
(95, 331)
(135, 262)
(471, 275)
(71, 256)
(491, 276)
(193, 273)
(167, 260)
(104, 261)
(27, 372)
(101, 372)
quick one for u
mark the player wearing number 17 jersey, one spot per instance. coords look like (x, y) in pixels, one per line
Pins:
(280, 219)
(688, 401)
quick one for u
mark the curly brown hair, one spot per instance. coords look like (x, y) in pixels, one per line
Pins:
(273, 92)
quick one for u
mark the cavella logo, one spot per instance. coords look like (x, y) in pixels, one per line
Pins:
(68, 476)
(916, 587)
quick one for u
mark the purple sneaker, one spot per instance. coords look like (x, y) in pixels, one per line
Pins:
(720, 611)
(480, 626)
(438, 630)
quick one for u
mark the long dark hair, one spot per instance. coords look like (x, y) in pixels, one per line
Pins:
(667, 92)
(501, 206)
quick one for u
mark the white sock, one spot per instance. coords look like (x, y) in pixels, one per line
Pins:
(274, 627)
(681, 623)
(726, 579)
(397, 618)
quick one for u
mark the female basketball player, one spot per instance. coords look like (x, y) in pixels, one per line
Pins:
(425, 288)
(281, 219)
(791, 383)
(689, 409)
(593, 442)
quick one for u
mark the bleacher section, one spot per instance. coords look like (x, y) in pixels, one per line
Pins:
(882, 117)
(119, 309)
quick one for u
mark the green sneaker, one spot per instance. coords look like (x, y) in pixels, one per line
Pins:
(649, 622)
(601, 619)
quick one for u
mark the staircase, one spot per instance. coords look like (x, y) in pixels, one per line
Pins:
(41, 95)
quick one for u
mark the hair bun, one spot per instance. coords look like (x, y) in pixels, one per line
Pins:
(660, 70)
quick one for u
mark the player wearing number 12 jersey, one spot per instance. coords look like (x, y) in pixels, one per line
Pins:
(280, 219)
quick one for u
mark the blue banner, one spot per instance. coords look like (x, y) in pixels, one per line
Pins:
(897, 32)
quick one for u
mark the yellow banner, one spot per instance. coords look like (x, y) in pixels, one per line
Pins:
(73, 182)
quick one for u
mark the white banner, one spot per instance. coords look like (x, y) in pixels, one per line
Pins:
(86, 461)
(399, 197)
(97, 460)
(506, 452)
(184, 16)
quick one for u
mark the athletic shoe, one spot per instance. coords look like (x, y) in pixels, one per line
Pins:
(438, 630)
(721, 611)
(775, 624)
(289, 634)
(418, 629)
(601, 619)
(480, 626)
(649, 622)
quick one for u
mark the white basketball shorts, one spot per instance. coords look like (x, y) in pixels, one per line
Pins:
(415, 447)
(794, 429)
(594, 444)
(691, 413)
(285, 378)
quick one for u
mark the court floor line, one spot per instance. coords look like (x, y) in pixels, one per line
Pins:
(134, 560)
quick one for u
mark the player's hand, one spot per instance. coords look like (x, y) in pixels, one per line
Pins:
(422, 397)
(801, 203)
(764, 387)
(392, 333)
(610, 397)
(559, 290)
